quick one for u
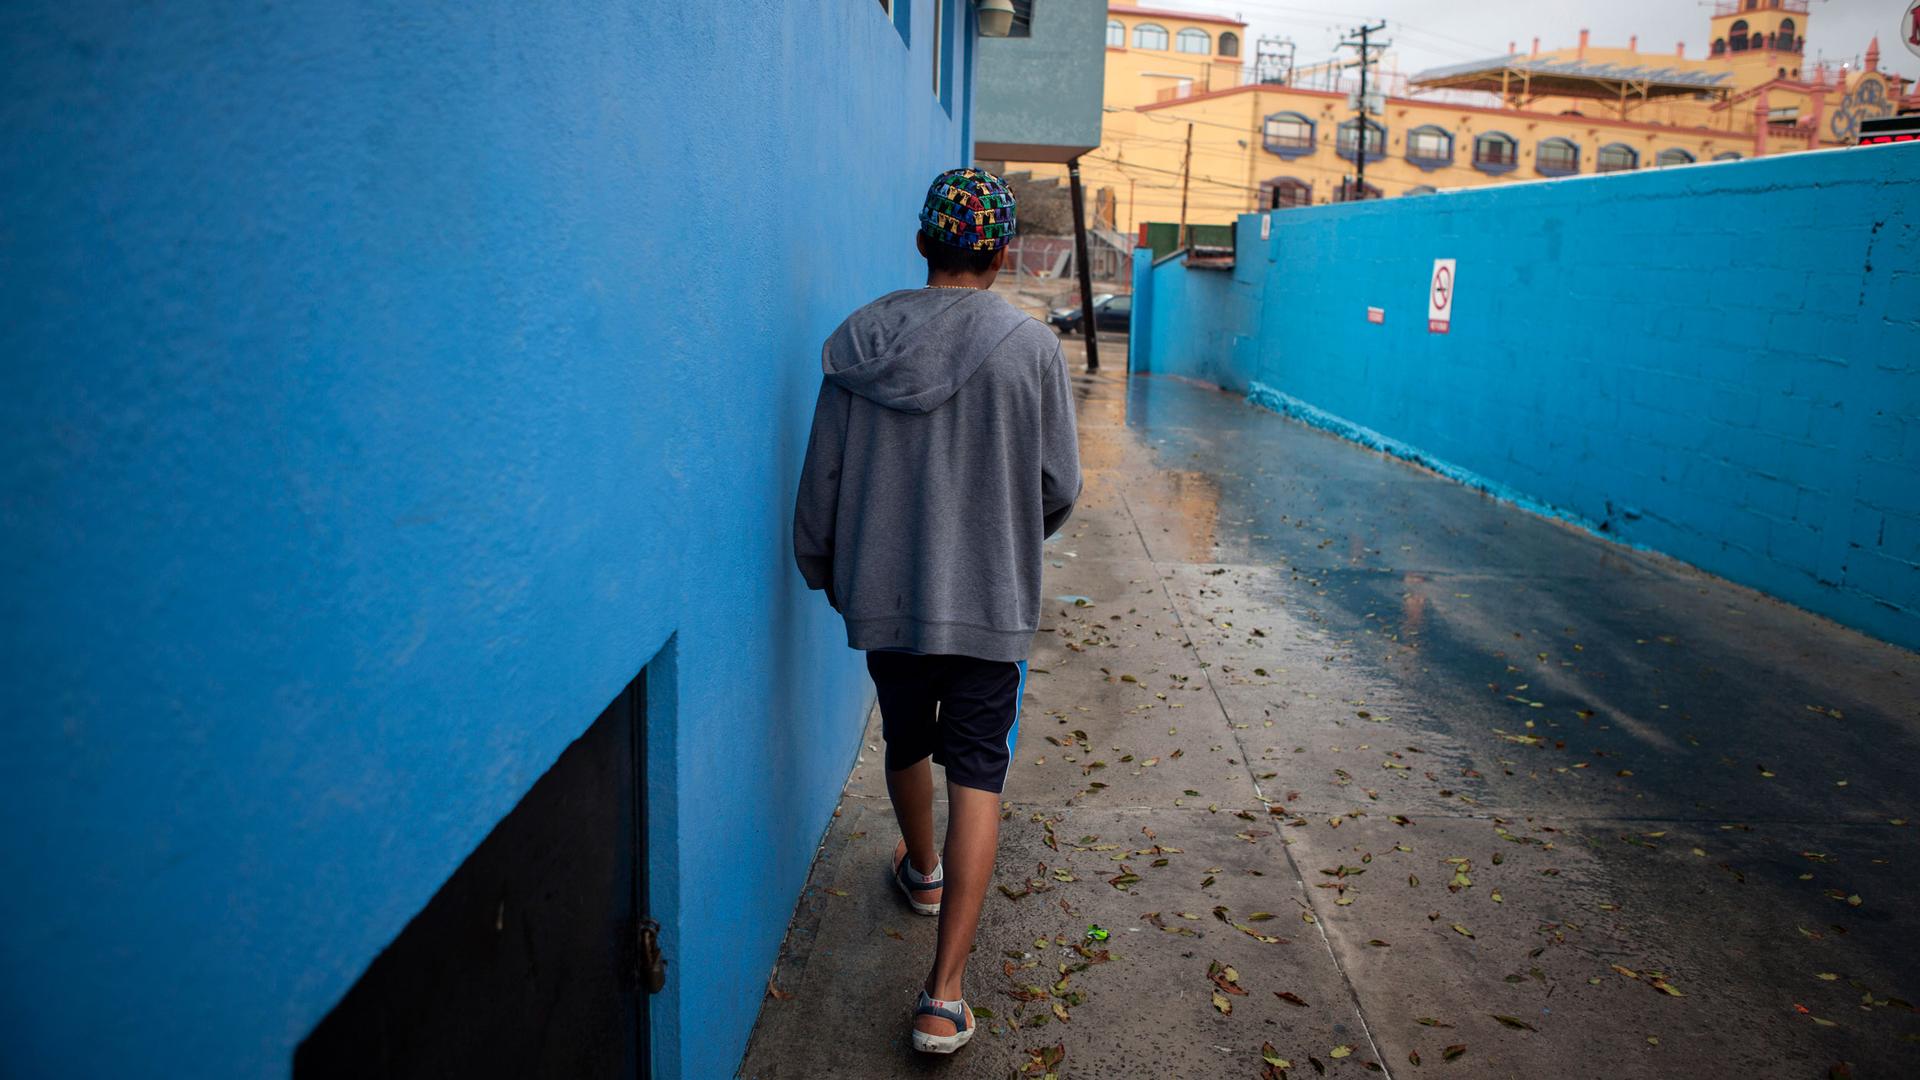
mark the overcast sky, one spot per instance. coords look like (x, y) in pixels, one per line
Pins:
(1434, 34)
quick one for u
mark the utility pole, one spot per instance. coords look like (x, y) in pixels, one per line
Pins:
(1186, 173)
(1360, 142)
(1086, 270)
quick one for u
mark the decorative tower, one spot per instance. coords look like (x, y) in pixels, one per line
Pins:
(1758, 40)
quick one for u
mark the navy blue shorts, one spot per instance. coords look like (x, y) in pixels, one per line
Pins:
(962, 710)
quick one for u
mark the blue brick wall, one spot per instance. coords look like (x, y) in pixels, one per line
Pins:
(1720, 362)
(385, 384)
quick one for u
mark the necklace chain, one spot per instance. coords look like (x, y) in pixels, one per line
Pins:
(975, 288)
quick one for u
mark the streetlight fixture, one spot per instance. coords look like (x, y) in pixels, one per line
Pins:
(996, 17)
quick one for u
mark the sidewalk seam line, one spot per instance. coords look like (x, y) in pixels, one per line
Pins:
(1286, 850)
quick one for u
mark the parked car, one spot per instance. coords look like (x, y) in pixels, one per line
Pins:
(1110, 312)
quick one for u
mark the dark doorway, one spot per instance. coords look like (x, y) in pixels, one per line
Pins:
(534, 958)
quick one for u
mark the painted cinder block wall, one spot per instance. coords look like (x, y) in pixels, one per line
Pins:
(385, 385)
(1719, 362)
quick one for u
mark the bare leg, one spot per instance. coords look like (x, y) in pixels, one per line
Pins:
(973, 834)
(911, 790)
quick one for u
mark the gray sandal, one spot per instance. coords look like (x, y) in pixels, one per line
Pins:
(959, 1016)
(910, 884)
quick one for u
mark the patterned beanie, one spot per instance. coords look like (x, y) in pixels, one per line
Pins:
(969, 208)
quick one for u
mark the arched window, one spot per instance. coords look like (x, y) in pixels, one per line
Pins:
(1193, 41)
(1430, 146)
(1727, 155)
(1616, 157)
(1282, 192)
(1719, 44)
(1673, 155)
(1737, 35)
(1347, 143)
(1784, 39)
(1229, 43)
(1556, 157)
(1149, 36)
(1495, 152)
(1116, 34)
(1288, 134)
(1423, 189)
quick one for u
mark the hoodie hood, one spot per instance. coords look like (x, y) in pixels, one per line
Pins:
(912, 350)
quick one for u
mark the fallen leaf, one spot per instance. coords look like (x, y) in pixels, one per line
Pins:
(1514, 1022)
(894, 934)
(1428, 1021)
(1339, 1052)
(1220, 1002)
(1224, 977)
(1462, 931)
(1413, 1057)
(1454, 1051)
(1059, 1010)
(1665, 987)
(776, 993)
(1290, 998)
(1272, 1057)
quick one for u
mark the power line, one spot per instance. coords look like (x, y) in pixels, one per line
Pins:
(1123, 165)
(1291, 166)
(1292, 169)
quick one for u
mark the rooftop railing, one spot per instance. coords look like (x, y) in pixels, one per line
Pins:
(1759, 7)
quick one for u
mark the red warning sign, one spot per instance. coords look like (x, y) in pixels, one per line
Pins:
(1440, 297)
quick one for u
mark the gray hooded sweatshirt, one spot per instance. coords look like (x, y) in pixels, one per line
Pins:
(943, 452)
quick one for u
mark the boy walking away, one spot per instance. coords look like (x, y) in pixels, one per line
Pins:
(943, 453)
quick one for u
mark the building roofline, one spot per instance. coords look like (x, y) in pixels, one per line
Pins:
(1600, 121)
(1668, 72)
(1163, 13)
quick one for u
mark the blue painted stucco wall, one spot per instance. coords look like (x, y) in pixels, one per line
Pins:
(1719, 362)
(385, 386)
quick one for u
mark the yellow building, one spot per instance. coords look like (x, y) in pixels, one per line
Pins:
(1184, 116)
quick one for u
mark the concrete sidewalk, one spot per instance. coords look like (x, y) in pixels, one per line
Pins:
(1447, 786)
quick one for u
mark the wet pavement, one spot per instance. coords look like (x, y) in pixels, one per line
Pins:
(1447, 786)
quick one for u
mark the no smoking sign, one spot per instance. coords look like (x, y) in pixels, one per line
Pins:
(1440, 297)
